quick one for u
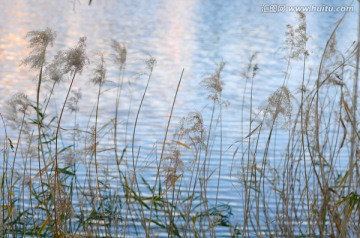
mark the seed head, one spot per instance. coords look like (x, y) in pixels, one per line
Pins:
(75, 58)
(55, 70)
(120, 52)
(214, 83)
(279, 104)
(73, 101)
(16, 108)
(38, 42)
(71, 60)
(296, 38)
(192, 126)
(99, 72)
(150, 63)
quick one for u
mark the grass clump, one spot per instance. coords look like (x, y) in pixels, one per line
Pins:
(54, 182)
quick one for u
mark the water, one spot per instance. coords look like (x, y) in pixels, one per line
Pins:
(195, 35)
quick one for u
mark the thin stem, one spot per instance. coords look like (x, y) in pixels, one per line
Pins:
(56, 176)
(137, 118)
(118, 94)
(220, 155)
(163, 148)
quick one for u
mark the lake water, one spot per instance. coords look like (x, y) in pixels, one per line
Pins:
(193, 34)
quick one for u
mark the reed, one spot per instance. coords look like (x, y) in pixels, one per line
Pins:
(294, 187)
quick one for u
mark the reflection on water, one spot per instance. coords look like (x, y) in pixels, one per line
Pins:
(195, 35)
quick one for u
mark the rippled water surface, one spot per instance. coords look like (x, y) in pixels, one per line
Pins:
(194, 35)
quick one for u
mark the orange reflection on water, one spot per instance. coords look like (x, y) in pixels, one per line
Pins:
(175, 32)
(11, 45)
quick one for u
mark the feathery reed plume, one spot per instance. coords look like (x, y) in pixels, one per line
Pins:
(279, 104)
(121, 52)
(150, 63)
(192, 128)
(99, 72)
(173, 167)
(214, 83)
(39, 41)
(73, 102)
(54, 71)
(16, 108)
(296, 38)
(16, 112)
(71, 60)
(74, 59)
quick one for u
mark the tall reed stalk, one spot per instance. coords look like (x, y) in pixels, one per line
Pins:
(162, 151)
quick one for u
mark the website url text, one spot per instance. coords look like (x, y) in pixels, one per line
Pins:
(278, 8)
